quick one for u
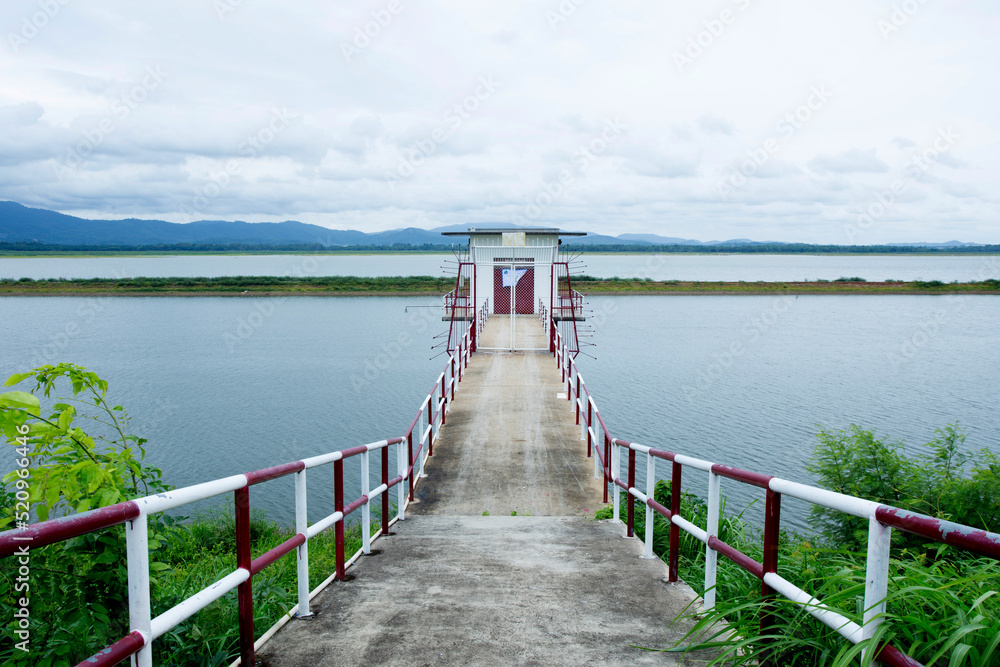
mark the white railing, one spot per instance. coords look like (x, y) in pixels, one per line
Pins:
(881, 519)
(144, 628)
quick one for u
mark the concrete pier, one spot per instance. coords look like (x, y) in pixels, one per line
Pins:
(499, 560)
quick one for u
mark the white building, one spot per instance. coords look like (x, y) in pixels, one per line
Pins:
(504, 265)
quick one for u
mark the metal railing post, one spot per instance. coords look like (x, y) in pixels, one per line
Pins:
(139, 607)
(245, 590)
(366, 511)
(444, 399)
(650, 487)
(401, 472)
(578, 397)
(615, 475)
(422, 455)
(712, 530)
(409, 460)
(430, 433)
(876, 579)
(630, 531)
(590, 434)
(302, 551)
(569, 377)
(338, 506)
(385, 494)
(772, 525)
(675, 531)
(606, 469)
(590, 421)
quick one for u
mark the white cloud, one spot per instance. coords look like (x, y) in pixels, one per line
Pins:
(850, 161)
(352, 121)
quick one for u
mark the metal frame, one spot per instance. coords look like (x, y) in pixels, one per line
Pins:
(881, 520)
(512, 314)
(144, 629)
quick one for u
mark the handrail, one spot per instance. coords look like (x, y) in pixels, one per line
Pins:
(144, 628)
(881, 519)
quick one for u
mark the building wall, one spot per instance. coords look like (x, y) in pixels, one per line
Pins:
(539, 251)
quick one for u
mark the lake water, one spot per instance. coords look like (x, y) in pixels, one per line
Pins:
(226, 385)
(657, 267)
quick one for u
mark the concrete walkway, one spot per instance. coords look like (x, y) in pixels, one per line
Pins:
(464, 590)
(462, 582)
(511, 444)
(528, 333)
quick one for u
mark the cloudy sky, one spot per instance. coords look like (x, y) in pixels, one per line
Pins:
(860, 121)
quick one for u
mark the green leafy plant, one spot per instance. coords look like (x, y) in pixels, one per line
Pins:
(71, 469)
(78, 587)
(64, 469)
(947, 483)
(942, 604)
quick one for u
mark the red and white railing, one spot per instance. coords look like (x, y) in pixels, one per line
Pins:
(481, 316)
(881, 519)
(419, 442)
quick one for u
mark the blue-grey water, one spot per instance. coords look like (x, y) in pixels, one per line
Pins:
(657, 267)
(226, 385)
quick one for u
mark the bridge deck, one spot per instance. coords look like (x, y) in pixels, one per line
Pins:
(455, 587)
(528, 333)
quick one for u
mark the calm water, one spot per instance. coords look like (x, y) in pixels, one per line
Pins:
(657, 267)
(225, 385)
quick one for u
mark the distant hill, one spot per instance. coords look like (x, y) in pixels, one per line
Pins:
(22, 225)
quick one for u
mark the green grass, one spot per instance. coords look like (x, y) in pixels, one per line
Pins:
(347, 285)
(65, 610)
(852, 285)
(942, 606)
(233, 285)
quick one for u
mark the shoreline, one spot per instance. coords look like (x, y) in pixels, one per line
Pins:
(448, 251)
(338, 286)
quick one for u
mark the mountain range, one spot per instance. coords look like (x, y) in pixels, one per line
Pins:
(20, 224)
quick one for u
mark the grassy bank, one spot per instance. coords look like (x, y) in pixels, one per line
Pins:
(942, 604)
(430, 285)
(605, 286)
(231, 286)
(187, 558)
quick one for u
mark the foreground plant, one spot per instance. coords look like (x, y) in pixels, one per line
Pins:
(78, 588)
(942, 603)
(64, 468)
